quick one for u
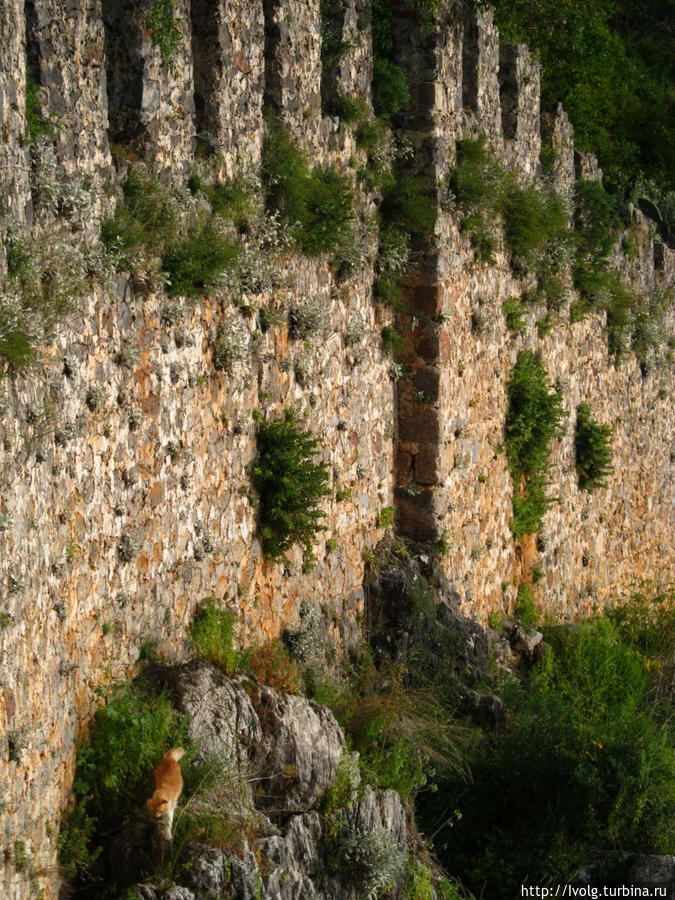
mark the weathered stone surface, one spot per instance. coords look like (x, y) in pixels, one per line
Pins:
(223, 722)
(300, 751)
(183, 435)
(653, 871)
(524, 641)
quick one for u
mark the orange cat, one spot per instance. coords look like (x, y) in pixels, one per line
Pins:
(169, 784)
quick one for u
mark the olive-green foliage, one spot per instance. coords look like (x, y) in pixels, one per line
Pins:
(513, 314)
(36, 123)
(146, 215)
(194, 263)
(584, 769)
(231, 199)
(114, 769)
(646, 621)
(290, 485)
(593, 452)
(319, 200)
(409, 207)
(390, 88)
(533, 419)
(407, 218)
(165, 29)
(533, 220)
(596, 221)
(610, 62)
(525, 608)
(478, 184)
(211, 636)
(43, 280)
(146, 725)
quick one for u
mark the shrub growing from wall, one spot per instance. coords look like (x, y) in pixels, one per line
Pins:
(290, 485)
(533, 419)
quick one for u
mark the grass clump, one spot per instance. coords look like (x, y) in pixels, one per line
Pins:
(596, 221)
(194, 264)
(290, 485)
(525, 607)
(318, 201)
(477, 183)
(42, 283)
(146, 215)
(513, 314)
(593, 451)
(211, 636)
(535, 222)
(533, 418)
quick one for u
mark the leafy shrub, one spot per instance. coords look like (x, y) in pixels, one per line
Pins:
(231, 199)
(646, 620)
(610, 65)
(36, 124)
(114, 772)
(272, 664)
(375, 860)
(533, 219)
(146, 215)
(44, 279)
(290, 485)
(583, 754)
(513, 314)
(390, 88)
(596, 221)
(478, 183)
(593, 452)
(533, 418)
(409, 207)
(525, 608)
(211, 636)
(319, 200)
(165, 29)
(194, 264)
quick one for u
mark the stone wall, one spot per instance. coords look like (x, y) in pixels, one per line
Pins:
(452, 480)
(126, 457)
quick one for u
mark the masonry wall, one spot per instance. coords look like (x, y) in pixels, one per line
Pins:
(118, 516)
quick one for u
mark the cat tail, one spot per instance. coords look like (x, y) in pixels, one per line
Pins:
(176, 754)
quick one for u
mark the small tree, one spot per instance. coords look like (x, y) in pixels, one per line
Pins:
(290, 485)
(533, 418)
(593, 450)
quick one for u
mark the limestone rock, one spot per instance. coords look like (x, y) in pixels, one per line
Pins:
(301, 748)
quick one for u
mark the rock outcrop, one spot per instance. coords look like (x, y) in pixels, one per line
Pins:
(277, 756)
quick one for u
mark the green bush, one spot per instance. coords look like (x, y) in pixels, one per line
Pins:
(194, 264)
(146, 215)
(113, 776)
(593, 452)
(533, 220)
(596, 221)
(390, 88)
(409, 207)
(513, 314)
(525, 607)
(533, 418)
(211, 636)
(165, 29)
(231, 199)
(318, 201)
(610, 63)
(290, 485)
(583, 755)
